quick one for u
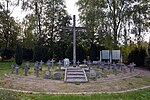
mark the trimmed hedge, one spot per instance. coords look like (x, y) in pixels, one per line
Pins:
(41, 53)
(80, 53)
(137, 56)
(19, 55)
(7, 53)
(94, 52)
(27, 54)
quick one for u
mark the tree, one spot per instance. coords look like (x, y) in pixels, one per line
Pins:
(50, 16)
(28, 29)
(19, 55)
(140, 14)
(55, 18)
(9, 28)
(115, 20)
(91, 15)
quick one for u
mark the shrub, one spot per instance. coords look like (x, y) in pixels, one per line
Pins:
(19, 55)
(137, 56)
(147, 62)
(94, 53)
(27, 54)
(80, 53)
(41, 53)
(7, 53)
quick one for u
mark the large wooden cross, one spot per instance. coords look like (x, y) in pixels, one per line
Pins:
(74, 28)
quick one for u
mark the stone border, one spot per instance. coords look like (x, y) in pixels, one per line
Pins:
(79, 93)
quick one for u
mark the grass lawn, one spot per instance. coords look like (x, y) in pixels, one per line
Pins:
(136, 95)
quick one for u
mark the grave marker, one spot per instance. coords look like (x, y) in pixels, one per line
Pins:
(37, 69)
(97, 74)
(84, 61)
(12, 68)
(74, 38)
(26, 68)
(78, 63)
(66, 62)
(41, 64)
(48, 64)
(52, 62)
(92, 74)
(57, 76)
(59, 65)
(47, 74)
(17, 69)
(89, 64)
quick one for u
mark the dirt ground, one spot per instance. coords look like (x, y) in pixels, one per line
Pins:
(136, 79)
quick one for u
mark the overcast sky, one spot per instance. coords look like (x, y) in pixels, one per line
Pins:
(71, 8)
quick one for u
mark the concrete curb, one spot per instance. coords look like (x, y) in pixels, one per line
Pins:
(79, 93)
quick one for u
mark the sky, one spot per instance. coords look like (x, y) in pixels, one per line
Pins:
(70, 4)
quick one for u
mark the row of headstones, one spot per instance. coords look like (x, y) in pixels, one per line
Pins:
(47, 75)
(108, 64)
(38, 67)
(115, 68)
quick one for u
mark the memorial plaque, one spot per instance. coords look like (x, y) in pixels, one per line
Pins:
(116, 54)
(105, 54)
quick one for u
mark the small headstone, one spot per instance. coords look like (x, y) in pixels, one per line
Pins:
(26, 68)
(103, 64)
(12, 68)
(57, 76)
(48, 64)
(59, 65)
(115, 70)
(97, 74)
(66, 62)
(105, 69)
(85, 62)
(37, 69)
(47, 74)
(41, 64)
(131, 66)
(92, 74)
(118, 65)
(52, 61)
(95, 63)
(17, 69)
(124, 69)
(78, 63)
(109, 64)
(36, 64)
(121, 66)
(89, 65)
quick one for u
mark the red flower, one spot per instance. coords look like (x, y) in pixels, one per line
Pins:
(4, 83)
